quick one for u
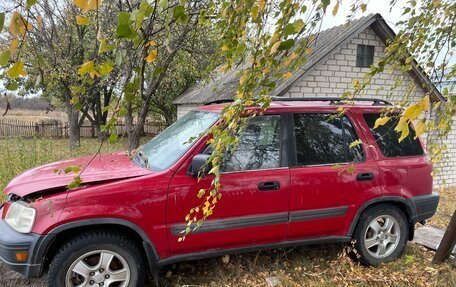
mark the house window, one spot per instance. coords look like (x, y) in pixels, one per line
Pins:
(364, 56)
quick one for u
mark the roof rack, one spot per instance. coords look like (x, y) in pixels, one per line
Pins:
(218, 102)
(332, 100)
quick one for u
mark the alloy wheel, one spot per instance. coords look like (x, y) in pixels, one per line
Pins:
(98, 268)
(382, 236)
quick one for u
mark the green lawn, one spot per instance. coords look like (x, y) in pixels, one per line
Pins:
(321, 265)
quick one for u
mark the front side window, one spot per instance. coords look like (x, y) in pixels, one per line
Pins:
(388, 139)
(259, 146)
(322, 139)
(170, 145)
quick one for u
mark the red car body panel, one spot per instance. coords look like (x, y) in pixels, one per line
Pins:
(103, 167)
(157, 202)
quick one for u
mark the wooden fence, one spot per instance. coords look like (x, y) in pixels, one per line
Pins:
(57, 129)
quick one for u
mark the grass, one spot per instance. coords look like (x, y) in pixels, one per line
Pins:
(320, 265)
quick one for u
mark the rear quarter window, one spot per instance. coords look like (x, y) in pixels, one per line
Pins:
(388, 139)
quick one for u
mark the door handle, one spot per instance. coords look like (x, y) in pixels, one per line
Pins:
(365, 176)
(269, 185)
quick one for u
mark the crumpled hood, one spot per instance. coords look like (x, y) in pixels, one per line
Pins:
(104, 167)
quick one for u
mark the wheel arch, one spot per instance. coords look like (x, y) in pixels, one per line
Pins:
(57, 236)
(404, 204)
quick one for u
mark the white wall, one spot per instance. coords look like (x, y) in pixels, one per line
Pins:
(183, 109)
(335, 74)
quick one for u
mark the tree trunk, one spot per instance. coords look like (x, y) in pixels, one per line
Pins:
(448, 242)
(74, 131)
(137, 130)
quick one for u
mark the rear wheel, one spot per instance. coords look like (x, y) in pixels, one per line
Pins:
(98, 259)
(381, 234)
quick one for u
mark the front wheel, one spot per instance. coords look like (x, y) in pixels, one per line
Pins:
(381, 234)
(98, 259)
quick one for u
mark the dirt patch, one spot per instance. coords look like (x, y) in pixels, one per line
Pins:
(10, 278)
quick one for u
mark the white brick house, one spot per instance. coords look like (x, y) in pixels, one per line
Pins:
(330, 70)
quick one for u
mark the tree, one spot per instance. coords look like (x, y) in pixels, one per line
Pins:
(269, 39)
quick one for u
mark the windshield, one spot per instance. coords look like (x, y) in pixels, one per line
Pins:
(170, 145)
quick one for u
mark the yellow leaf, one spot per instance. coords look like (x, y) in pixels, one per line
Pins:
(88, 68)
(249, 103)
(290, 58)
(275, 47)
(103, 46)
(425, 103)
(39, 20)
(287, 75)
(355, 143)
(261, 4)
(381, 121)
(405, 132)
(82, 4)
(93, 4)
(82, 21)
(19, 25)
(16, 70)
(413, 111)
(14, 44)
(224, 47)
(152, 56)
(87, 5)
(356, 84)
(420, 128)
(336, 8)
(105, 69)
(363, 7)
(151, 43)
(308, 51)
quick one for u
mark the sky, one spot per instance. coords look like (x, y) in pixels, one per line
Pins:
(375, 6)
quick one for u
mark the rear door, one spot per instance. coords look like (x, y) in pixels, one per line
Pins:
(329, 179)
(405, 168)
(255, 184)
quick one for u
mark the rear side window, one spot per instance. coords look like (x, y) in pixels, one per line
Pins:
(388, 139)
(259, 146)
(321, 139)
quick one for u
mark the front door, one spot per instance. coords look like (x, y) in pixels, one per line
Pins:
(329, 179)
(253, 209)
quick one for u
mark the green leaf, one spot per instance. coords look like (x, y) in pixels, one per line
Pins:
(286, 45)
(179, 12)
(105, 109)
(163, 4)
(2, 21)
(157, 71)
(129, 92)
(112, 138)
(75, 183)
(30, 3)
(124, 29)
(4, 58)
(12, 86)
(293, 28)
(122, 112)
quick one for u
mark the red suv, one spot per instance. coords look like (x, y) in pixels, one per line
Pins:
(295, 178)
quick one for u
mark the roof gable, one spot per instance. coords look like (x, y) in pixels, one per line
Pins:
(224, 86)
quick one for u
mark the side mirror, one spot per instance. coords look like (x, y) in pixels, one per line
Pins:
(198, 162)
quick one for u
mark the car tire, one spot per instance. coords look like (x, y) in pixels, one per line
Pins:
(381, 234)
(100, 258)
